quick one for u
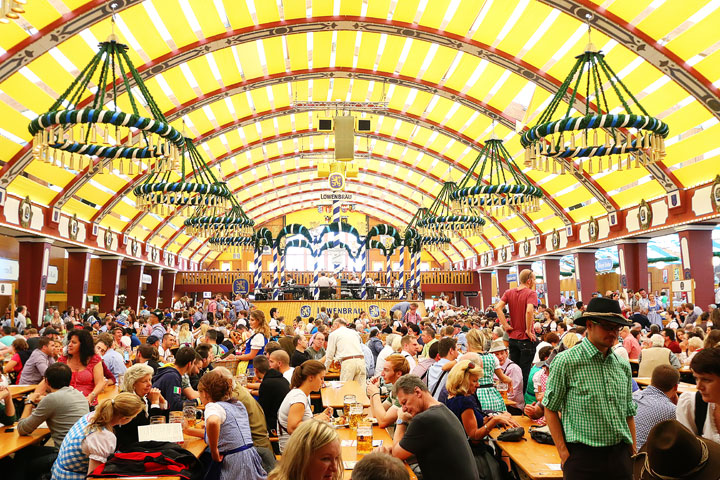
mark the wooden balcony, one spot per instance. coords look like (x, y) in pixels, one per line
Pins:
(217, 281)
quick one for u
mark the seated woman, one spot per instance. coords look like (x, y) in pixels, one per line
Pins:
(699, 412)
(387, 412)
(86, 366)
(296, 408)
(90, 441)
(20, 352)
(313, 451)
(227, 432)
(138, 380)
(462, 400)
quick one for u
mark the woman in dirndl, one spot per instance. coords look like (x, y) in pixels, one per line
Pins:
(490, 398)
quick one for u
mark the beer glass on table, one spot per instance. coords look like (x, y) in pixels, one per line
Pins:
(364, 436)
(356, 414)
(348, 401)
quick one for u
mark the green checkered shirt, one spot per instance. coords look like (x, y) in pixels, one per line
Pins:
(593, 394)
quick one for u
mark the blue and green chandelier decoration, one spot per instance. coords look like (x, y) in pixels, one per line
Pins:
(76, 130)
(617, 133)
(441, 221)
(199, 189)
(500, 184)
(233, 223)
(233, 244)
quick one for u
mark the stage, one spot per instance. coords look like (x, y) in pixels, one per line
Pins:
(347, 309)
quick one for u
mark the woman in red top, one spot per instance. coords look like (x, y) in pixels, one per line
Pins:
(86, 366)
(20, 354)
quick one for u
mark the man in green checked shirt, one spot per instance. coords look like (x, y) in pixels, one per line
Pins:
(588, 402)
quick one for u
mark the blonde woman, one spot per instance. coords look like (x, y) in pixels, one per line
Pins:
(185, 338)
(199, 333)
(312, 453)
(138, 380)
(487, 394)
(91, 441)
(462, 386)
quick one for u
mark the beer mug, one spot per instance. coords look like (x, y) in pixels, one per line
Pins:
(364, 436)
(242, 379)
(190, 413)
(356, 414)
(348, 401)
(503, 389)
(157, 419)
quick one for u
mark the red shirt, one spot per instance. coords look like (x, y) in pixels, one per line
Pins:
(517, 301)
(674, 347)
(632, 346)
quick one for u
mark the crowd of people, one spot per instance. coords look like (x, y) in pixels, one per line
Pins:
(439, 380)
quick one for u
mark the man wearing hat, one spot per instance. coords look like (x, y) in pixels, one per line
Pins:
(158, 331)
(512, 370)
(674, 452)
(588, 401)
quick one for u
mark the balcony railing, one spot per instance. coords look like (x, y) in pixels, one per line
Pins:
(216, 277)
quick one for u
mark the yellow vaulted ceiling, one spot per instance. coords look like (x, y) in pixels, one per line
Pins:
(234, 68)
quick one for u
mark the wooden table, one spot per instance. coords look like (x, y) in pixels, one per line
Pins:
(532, 458)
(349, 454)
(109, 391)
(20, 390)
(194, 445)
(332, 395)
(682, 386)
(685, 369)
(11, 442)
(332, 375)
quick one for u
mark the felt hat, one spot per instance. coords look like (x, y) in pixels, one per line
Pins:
(673, 452)
(497, 345)
(601, 308)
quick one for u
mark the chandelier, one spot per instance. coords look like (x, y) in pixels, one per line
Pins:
(159, 194)
(11, 9)
(234, 244)
(233, 223)
(609, 135)
(75, 131)
(435, 242)
(500, 184)
(440, 220)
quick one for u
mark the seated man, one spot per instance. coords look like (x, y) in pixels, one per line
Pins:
(272, 390)
(387, 412)
(435, 435)
(380, 466)
(114, 361)
(169, 379)
(657, 402)
(40, 359)
(280, 361)
(60, 409)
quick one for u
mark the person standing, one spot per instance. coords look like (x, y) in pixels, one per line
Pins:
(588, 401)
(521, 302)
(344, 345)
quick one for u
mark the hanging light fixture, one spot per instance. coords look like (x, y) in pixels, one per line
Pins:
(233, 223)
(600, 139)
(75, 131)
(500, 184)
(440, 220)
(11, 10)
(158, 193)
(233, 244)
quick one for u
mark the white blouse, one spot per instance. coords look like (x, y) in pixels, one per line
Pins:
(99, 445)
(685, 414)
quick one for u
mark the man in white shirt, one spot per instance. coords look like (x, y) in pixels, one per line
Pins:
(409, 349)
(344, 346)
(323, 281)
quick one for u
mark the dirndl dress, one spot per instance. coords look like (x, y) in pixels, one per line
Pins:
(240, 459)
(72, 463)
(490, 399)
(654, 315)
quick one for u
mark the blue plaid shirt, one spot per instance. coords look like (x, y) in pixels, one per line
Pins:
(653, 407)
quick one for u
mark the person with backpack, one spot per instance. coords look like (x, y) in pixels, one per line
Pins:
(699, 411)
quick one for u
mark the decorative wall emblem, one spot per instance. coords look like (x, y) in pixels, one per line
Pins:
(644, 215)
(593, 229)
(134, 247)
(526, 247)
(503, 254)
(715, 192)
(73, 227)
(25, 212)
(154, 254)
(555, 239)
(108, 238)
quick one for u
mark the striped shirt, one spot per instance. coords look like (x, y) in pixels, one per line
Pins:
(593, 392)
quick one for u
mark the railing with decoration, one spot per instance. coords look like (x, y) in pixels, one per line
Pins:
(216, 277)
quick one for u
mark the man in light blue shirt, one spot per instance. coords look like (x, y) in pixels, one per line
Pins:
(657, 402)
(113, 360)
(437, 377)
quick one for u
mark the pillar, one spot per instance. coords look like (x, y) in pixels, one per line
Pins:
(152, 293)
(632, 256)
(133, 282)
(78, 275)
(110, 283)
(696, 255)
(523, 266)
(32, 279)
(168, 288)
(486, 289)
(585, 274)
(503, 284)
(551, 275)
